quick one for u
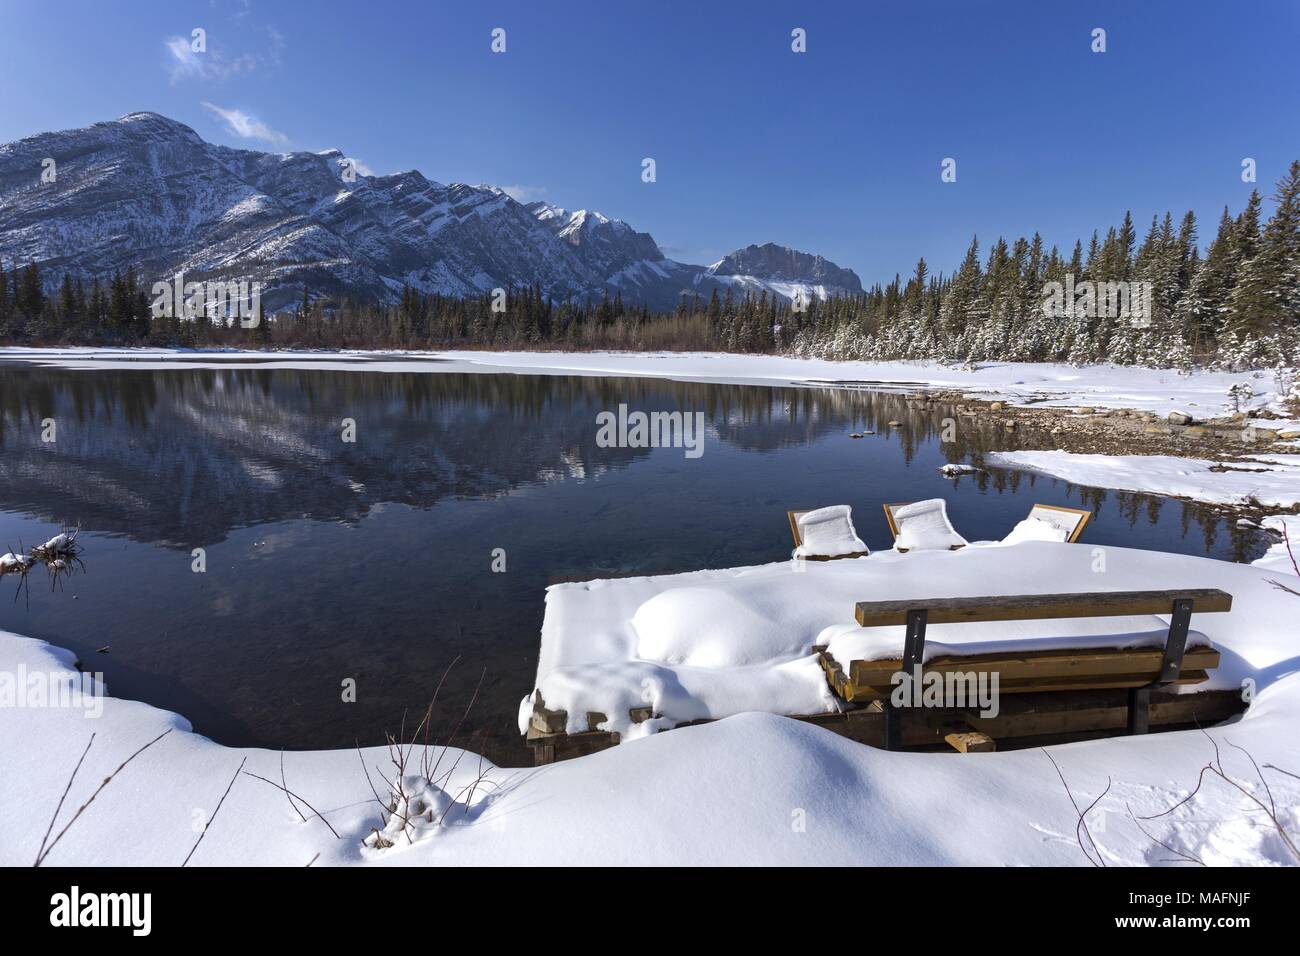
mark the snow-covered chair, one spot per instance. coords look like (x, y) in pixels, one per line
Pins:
(923, 526)
(1050, 523)
(825, 534)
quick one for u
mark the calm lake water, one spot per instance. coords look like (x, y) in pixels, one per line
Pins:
(372, 560)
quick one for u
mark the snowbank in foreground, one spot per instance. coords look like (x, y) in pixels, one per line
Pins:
(1270, 480)
(751, 789)
(1204, 394)
(754, 788)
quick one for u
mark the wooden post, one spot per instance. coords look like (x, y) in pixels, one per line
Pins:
(1139, 709)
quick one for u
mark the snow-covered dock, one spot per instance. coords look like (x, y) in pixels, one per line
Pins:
(623, 659)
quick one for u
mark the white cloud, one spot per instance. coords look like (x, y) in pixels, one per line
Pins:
(524, 193)
(245, 126)
(277, 44)
(186, 63)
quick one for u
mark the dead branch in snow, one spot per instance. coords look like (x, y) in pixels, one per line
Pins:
(1215, 769)
(1286, 538)
(1182, 855)
(285, 784)
(98, 790)
(59, 806)
(291, 795)
(212, 819)
(1081, 827)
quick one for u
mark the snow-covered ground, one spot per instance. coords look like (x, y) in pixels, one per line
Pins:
(753, 788)
(1265, 479)
(1284, 554)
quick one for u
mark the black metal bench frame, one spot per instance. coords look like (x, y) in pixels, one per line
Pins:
(1139, 698)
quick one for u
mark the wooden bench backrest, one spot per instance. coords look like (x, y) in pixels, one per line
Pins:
(893, 523)
(889, 516)
(794, 517)
(1030, 607)
(794, 524)
(1084, 515)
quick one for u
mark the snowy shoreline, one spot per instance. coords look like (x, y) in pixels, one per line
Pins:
(1202, 395)
(1263, 481)
(1050, 385)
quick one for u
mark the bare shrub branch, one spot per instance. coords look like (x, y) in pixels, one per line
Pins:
(213, 818)
(1081, 827)
(1215, 768)
(98, 790)
(285, 786)
(316, 813)
(41, 850)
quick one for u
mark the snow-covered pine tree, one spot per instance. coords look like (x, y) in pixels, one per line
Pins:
(1268, 294)
(959, 299)
(1248, 291)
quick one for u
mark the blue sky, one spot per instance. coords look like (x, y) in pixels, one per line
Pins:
(835, 151)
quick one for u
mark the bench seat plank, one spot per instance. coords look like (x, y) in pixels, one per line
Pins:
(1048, 671)
(1043, 664)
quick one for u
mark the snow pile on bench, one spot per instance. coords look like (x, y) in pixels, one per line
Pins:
(848, 642)
(732, 625)
(1035, 529)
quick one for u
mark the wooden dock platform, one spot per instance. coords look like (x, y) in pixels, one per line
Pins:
(1069, 678)
(1023, 720)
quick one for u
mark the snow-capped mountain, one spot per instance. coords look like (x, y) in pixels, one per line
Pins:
(147, 191)
(785, 271)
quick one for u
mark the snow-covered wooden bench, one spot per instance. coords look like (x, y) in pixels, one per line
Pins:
(1059, 669)
(825, 534)
(922, 526)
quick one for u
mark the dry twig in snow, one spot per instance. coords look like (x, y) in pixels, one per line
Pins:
(98, 790)
(206, 825)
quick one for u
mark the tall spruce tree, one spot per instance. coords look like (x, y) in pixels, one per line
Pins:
(1250, 298)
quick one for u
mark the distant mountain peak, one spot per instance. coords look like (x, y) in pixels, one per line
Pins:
(153, 123)
(147, 191)
(546, 210)
(148, 116)
(772, 261)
